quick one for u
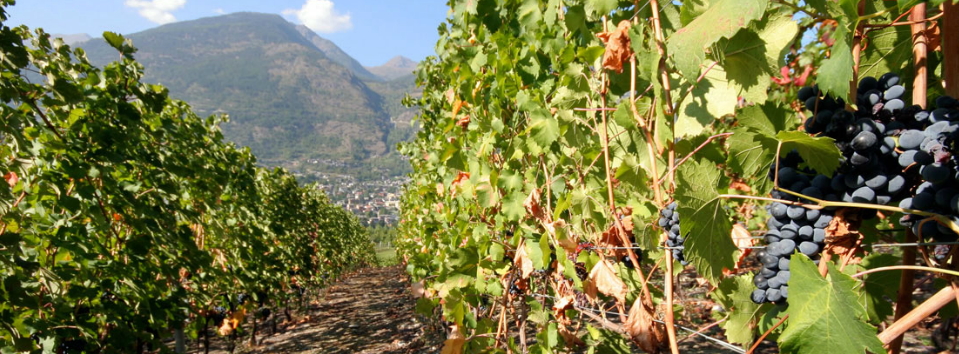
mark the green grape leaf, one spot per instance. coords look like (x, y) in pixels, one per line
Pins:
(722, 20)
(768, 119)
(835, 73)
(824, 313)
(735, 295)
(530, 13)
(713, 97)
(751, 155)
(878, 286)
(889, 50)
(600, 7)
(751, 56)
(704, 220)
(513, 206)
(545, 131)
(820, 153)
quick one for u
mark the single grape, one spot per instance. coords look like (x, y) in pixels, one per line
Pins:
(808, 248)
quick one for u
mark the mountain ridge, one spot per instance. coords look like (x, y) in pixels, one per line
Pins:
(395, 68)
(287, 99)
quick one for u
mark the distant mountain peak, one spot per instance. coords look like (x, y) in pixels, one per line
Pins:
(73, 39)
(395, 68)
(400, 62)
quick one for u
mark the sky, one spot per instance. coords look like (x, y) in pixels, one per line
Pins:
(371, 31)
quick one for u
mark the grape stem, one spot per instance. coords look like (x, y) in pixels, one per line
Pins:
(906, 267)
(768, 331)
(700, 147)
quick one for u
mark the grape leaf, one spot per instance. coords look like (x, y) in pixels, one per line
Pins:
(820, 153)
(545, 130)
(878, 286)
(768, 119)
(824, 314)
(751, 56)
(600, 7)
(751, 155)
(835, 73)
(889, 50)
(705, 222)
(734, 294)
(713, 97)
(722, 20)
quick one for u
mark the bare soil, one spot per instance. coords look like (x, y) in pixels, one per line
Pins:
(370, 311)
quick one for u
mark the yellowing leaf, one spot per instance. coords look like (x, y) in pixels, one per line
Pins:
(455, 342)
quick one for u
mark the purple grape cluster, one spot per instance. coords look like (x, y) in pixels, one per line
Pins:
(928, 150)
(669, 221)
(791, 228)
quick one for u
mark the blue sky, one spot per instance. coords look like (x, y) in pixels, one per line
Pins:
(372, 31)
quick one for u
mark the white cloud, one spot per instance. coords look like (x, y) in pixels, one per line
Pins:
(219, 11)
(320, 16)
(158, 11)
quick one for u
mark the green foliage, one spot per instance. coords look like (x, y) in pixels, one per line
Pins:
(827, 317)
(533, 140)
(123, 212)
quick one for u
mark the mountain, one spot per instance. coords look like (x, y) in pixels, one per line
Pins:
(396, 68)
(287, 100)
(332, 51)
(72, 39)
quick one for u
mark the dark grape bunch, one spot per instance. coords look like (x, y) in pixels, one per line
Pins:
(928, 150)
(669, 221)
(870, 172)
(791, 228)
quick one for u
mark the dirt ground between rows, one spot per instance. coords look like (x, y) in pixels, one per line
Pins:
(372, 311)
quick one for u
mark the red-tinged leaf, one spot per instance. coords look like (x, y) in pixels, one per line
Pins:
(534, 207)
(11, 178)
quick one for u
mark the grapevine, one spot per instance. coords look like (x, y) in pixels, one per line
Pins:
(124, 215)
(550, 124)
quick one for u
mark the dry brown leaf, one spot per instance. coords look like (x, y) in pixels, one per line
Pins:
(570, 337)
(455, 342)
(842, 235)
(743, 239)
(611, 237)
(418, 289)
(562, 304)
(533, 206)
(233, 322)
(463, 122)
(603, 279)
(618, 50)
(740, 186)
(642, 330)
(521, 260)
